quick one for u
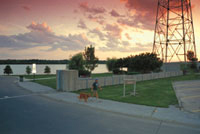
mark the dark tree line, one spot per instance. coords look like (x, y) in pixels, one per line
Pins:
(142, 63)
(37, 61)
(31, 61)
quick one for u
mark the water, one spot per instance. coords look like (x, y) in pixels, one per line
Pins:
(21, 69)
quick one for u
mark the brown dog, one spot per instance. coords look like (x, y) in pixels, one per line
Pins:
(84, 96)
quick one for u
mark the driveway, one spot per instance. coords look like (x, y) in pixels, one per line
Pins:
(188, 94)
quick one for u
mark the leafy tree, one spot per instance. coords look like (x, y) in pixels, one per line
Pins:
(110, 64)
(28, 70)
(8, 70)
(90, 59)
(191, 57)
(77, 62)
(47, 70)
(144, 63)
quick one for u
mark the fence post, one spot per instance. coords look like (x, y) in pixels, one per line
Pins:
(104, 81)
(87, 83)
(112, 81)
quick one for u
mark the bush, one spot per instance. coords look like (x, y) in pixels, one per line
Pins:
(47, 70)
(110, 64)
(8, 70)
(28, 70)
(77, 62)
(144, 63)
(84, 73)
(118, 71)
(132, 73)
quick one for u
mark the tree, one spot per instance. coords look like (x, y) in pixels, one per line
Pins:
(8, 70)
(90, 59)
(110, 64)
(145, 62)
(28, 70)
(47, 70)
(77, 62)
(191, 57)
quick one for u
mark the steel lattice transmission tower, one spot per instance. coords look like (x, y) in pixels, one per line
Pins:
(174, 30)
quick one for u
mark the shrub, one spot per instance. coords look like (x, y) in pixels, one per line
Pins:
(77, 62)
(28, 70)
(110, 64)
(84, 73)
(8, 70)
(47, 70)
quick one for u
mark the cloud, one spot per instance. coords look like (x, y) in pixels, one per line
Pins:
(115, 13)
(98, 32)
(27, 8)
(99, 19)
(81, 24)
(39, 27)
(113, 30)
(93, 10)
(126, 47)
(41, 35)
(144, 14)
(95, 14)
(128, 36)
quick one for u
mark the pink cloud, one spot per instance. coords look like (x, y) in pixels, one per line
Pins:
(98, 32)
(39, 27)
(113, 30)
(99, 19)
(94, 10)
(115, 13)
(81, 24)
(41, 35)
(144, 13)
(27, 8)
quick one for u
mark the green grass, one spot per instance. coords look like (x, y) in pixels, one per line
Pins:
(48, 82)
(157, 92)
(101, 75)
(39, 76)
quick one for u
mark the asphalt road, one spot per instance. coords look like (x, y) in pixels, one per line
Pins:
(24, 113)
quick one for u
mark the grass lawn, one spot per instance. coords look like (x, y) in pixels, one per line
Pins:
(39, 76)
(47, 82)
(158, 92)
(101, 75)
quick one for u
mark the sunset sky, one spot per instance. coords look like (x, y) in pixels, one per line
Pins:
(58, 29)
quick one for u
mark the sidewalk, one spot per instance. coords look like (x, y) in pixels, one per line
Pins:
(188, 94)
(171, 114)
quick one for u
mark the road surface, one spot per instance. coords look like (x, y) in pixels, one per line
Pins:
(22, 112)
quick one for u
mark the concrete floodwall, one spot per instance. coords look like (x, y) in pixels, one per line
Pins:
(68, 80)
